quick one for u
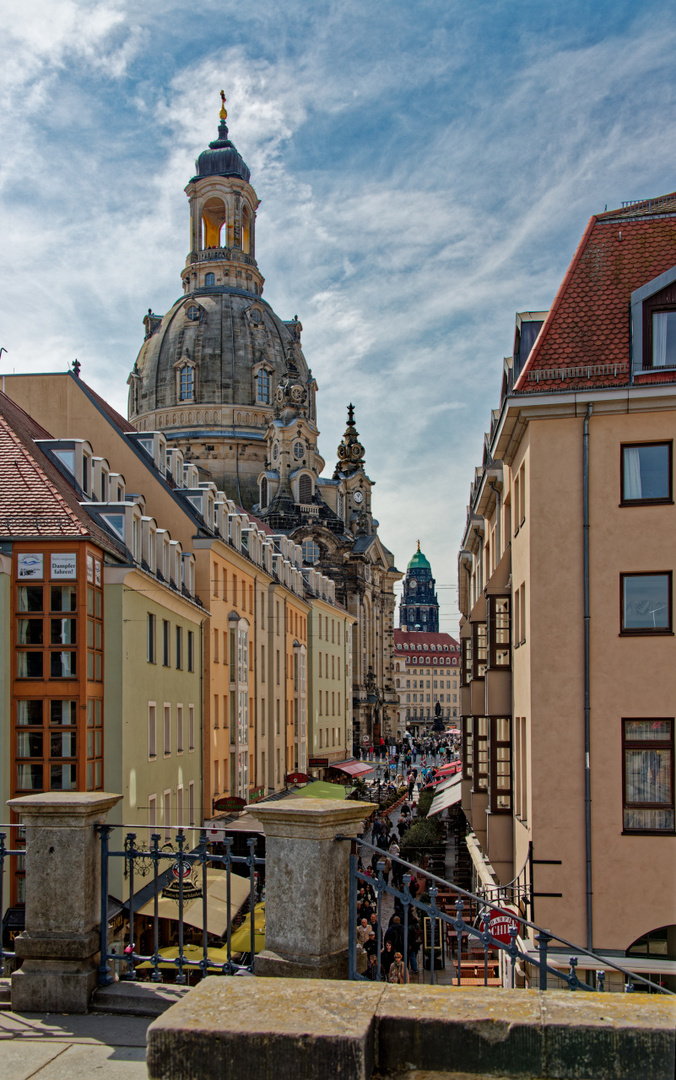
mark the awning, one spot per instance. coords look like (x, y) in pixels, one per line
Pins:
(320, 790)
(448, 797)
(353, 768)
(217, 903)
(247, 823)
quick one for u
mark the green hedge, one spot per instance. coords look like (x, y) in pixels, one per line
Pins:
(424, 834)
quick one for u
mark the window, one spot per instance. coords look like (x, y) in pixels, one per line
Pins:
(264, 493)
(186, 383)
(646, 473)
(648, 775)
(664, 339)
(152, 730)
(191, 650)
(210, 279)
(191, 802)
(179, 730)
(305, 489)
(498, 632)
(311, 553)
(645, 603)
(151, 653)
(179, 647)
(167, 729)
(191, 727)
(480, 650)
(500, 765)
(263, 386)
(166, 644)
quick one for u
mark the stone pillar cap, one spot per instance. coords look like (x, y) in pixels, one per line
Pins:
(66, 803)
(311, 817)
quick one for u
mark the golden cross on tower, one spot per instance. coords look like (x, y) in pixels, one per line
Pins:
(223, 114)
(418, 545)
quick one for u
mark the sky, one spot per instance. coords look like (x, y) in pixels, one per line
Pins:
(425, 171)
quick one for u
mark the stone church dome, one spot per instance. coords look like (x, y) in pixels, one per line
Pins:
(209, 372)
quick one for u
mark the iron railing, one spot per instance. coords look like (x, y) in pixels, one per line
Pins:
(5, 854)
(480, 934)
(188, 868)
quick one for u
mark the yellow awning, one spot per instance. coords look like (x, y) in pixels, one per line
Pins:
(217, 903)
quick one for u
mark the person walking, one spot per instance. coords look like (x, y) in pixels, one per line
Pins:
(397, 970)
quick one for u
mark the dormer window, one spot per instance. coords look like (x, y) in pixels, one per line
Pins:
(664, 339)
(193, 313)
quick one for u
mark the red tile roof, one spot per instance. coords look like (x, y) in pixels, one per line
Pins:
(35, 499)
(419, 637)
(585, 339)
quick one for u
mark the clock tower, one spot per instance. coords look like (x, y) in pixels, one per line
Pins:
(354, 482)
(419, 607)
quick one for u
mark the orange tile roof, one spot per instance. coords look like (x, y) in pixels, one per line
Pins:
(585, 340)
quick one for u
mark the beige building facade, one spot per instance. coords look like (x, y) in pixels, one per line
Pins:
(566, 593)
(426, 674)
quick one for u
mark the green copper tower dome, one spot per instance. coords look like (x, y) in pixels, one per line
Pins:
(419, 607)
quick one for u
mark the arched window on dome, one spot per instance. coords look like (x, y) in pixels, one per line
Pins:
(305, 489)
(213, 223)
(264, 493)
(263, 386)
(186, 377)
(210, 279)
(246, 230)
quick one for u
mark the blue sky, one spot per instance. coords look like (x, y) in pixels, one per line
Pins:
(425, 170)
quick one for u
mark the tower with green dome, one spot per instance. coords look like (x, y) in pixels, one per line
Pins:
(419, 607)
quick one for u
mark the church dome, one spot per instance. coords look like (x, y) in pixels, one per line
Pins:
(419, 562)
(227, 336)
(221, 159)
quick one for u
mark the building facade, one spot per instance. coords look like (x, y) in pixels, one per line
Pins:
(426, 679)
(82, 601)
(566, 593)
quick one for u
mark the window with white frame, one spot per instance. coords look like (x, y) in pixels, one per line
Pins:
(647, 473)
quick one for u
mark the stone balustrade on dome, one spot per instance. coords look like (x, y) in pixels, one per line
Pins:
(232, 254)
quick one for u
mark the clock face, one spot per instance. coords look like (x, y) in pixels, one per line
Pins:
(296, 393)
(413, 585)
(358, 497)
(298, 450)
(357, 450)
(280, 394)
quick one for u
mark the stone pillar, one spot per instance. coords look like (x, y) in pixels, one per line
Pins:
(60, 944)
(307, 886)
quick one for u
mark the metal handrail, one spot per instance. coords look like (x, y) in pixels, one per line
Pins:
(199, 857)
(542, 936)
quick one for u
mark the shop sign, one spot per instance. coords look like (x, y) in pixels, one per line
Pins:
(297, 778)
(231, 805)
(500, 925)
(256, 794)
(64, 567)
(318, 763)
(191, 890)
(29, 564)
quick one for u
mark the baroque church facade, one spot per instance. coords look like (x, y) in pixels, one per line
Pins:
(226, 382)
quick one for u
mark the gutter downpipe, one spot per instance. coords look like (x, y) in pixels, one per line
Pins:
(587, 679)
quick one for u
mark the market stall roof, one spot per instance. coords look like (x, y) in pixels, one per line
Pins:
(352, 768)
(449, 796)
(320, 789)
(217, 903)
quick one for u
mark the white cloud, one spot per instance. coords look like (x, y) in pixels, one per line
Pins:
(417, 189)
